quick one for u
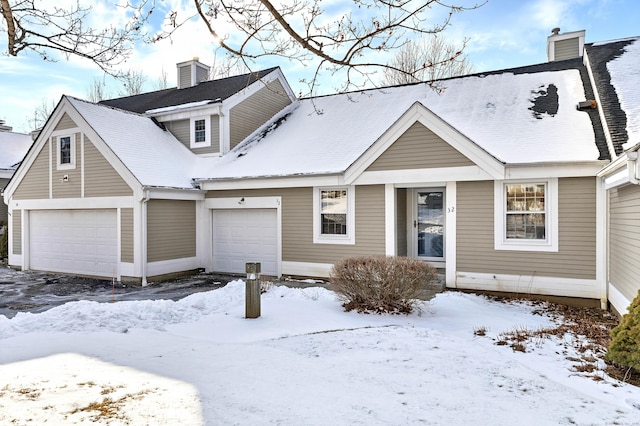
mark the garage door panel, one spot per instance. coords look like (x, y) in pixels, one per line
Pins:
(74, 241)
(241, 236)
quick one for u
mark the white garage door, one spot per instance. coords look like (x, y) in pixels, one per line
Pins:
(74, 241)
(247, 235)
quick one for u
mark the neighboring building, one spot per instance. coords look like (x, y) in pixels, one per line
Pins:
(492, 177)
(13, 147)
(616, 71)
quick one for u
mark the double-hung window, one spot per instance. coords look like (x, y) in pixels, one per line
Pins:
(334, 215)
(525, 212)
(526, 215)
(200, 132)
(66, 152)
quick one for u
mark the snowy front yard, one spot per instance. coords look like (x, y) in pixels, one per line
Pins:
(305, 361)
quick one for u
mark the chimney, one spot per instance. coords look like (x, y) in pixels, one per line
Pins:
(191, 73)
(565, 46)
(4, 127)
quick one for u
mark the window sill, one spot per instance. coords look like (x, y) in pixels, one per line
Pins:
(325, 239)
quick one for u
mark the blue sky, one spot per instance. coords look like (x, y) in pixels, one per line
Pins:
(502, 34)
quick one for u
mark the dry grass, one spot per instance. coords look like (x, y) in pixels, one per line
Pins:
(585, 330)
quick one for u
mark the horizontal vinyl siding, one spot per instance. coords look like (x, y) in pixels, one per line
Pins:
(126, 235)
(256, 110)
(65, 123)
(624, 240)
(35, 184)
(100, 178)
(566, 49)
(16, 215)
(297, 224)
(171, 229)
(73, 186)
(419, 148)
(181, 129)
(576, 238)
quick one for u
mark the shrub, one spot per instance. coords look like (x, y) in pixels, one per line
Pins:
(624, 348)
(381, 284)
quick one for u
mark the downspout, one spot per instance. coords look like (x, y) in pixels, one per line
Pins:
(143, 229)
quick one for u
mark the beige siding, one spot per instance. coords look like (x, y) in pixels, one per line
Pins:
(126, 235)
(256, 110)
(16, 216)
(100, 178)
(624, 240)
(297, 224)
(184, 77)
(419, 148)
(35, 184)
(3, 206)
(401, 221)
(65, 123)
(70, 188)
(171, 229)
(181, 129)
(566, 49)
(576, 257)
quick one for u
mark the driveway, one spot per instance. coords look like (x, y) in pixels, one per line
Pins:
(31, 291)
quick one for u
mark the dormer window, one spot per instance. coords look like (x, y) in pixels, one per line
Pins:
(200, 132)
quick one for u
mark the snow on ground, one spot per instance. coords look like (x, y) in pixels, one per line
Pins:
(304, 361)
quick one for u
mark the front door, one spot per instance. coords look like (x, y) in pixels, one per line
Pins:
(429, 223)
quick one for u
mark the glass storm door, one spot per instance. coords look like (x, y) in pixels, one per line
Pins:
(429, 223)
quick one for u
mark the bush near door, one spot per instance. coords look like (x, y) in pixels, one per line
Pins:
(381, 284)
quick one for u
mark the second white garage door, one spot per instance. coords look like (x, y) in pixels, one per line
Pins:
(247, 235)
(74, 241)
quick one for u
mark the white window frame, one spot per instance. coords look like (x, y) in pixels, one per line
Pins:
(72, 163)
(550, 243)
(207, 131)
(318, 236)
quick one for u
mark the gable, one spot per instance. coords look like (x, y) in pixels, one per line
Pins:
(65, 123)
(90, 174)
(419, 148)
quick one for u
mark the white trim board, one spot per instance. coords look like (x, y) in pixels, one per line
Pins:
(306, 269)
(73, 203)
(618, 300)
(526, 284)
(172, 266)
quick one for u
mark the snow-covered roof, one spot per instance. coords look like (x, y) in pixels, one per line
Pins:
(154, 156)
(13, 148)
(517, 118)
(625, 74)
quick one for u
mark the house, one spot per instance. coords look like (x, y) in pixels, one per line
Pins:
(616, 74)
(13, 147)
(495, 177)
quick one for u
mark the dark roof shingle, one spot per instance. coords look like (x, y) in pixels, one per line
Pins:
(207, 90)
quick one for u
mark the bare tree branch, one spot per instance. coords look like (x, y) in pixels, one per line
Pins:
(47, 29)
(427, 60)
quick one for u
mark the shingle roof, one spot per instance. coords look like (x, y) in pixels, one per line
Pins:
(157, 158)
(518, 117)
(207, 90)
(601, 55)
(13, 147)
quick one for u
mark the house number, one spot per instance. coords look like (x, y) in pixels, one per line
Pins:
(451, 209)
